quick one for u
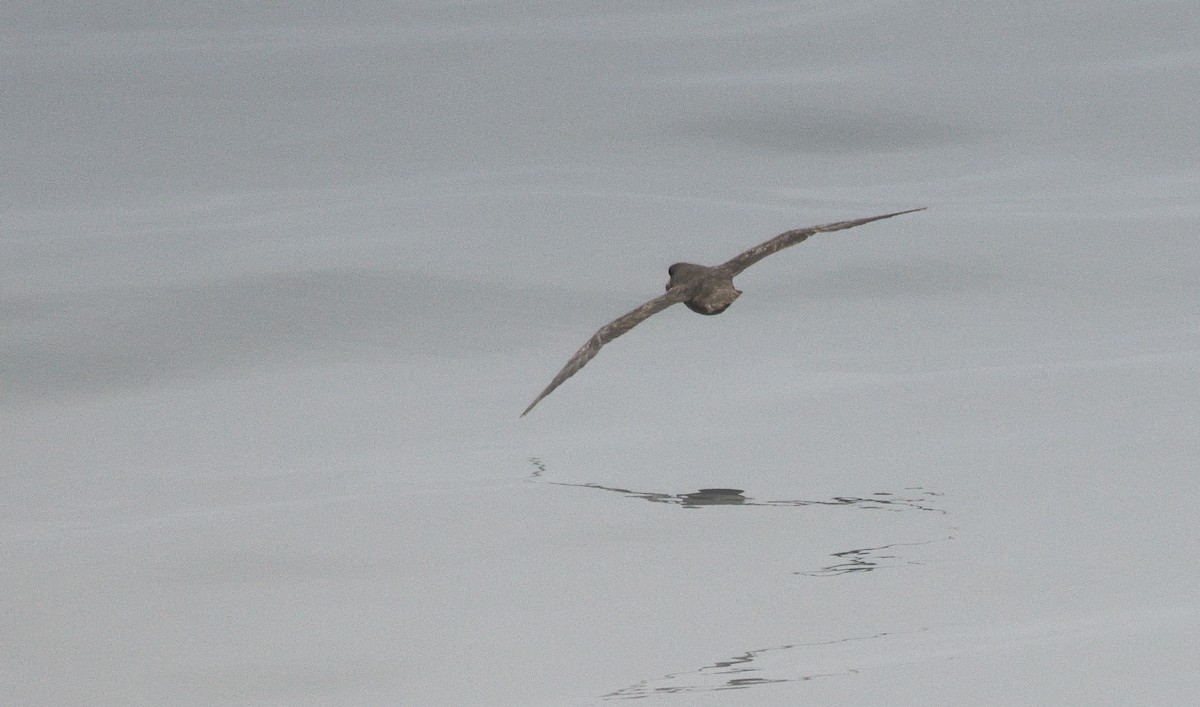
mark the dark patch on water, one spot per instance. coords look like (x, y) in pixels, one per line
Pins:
(732, 673)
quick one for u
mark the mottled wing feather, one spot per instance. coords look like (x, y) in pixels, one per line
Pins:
(744, 260)
(607, 333)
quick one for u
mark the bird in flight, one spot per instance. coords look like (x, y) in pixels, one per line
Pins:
(704, 289)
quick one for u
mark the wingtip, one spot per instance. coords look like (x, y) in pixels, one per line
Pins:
(899, 213)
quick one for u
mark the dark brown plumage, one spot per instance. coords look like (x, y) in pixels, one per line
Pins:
(704, 289)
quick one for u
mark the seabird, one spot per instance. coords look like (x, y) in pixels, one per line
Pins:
(704, 289)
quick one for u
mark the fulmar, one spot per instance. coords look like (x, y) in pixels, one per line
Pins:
(704, 289)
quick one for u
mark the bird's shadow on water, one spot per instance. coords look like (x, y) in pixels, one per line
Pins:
(734, 673)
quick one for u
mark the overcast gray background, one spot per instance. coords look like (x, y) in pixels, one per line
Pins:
(275, 283)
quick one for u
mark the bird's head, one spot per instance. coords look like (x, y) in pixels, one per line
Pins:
(683, 272)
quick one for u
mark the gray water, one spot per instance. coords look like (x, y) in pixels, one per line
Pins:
(276, 283)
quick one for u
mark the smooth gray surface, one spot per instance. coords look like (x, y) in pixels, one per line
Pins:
(275, 284)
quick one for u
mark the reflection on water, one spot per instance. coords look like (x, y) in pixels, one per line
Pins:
(713, 497)
(731, 673)
(863, 559)
(866, 559)
(912, 498)
(737, 672)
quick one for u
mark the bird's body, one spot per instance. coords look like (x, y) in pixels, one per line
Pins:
(713, 292)
(703, 289)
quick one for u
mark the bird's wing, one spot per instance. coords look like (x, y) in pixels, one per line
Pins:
(744, 260)
(610, 331)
